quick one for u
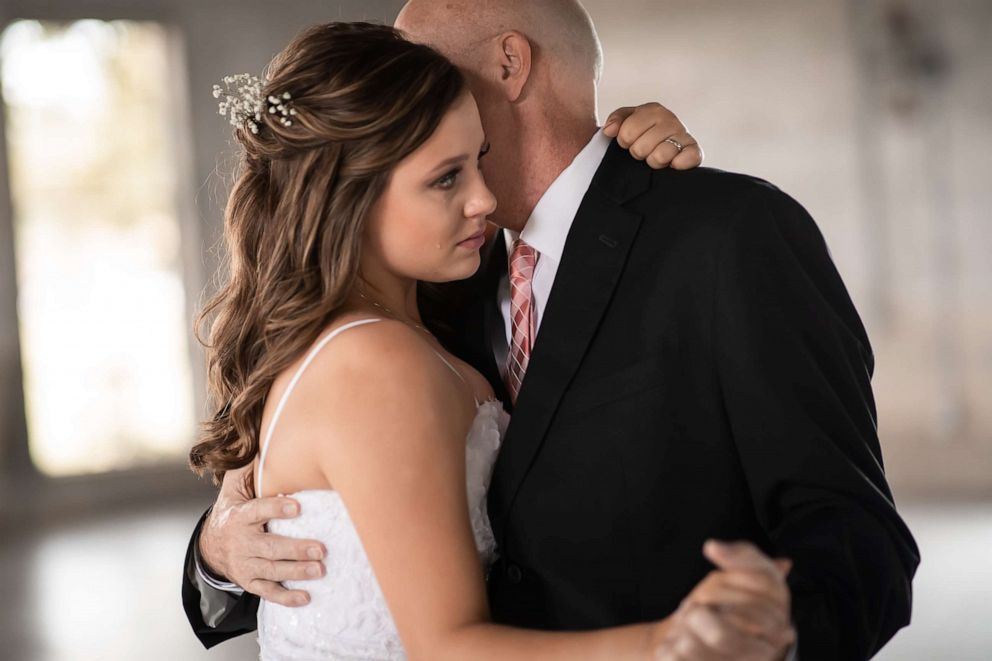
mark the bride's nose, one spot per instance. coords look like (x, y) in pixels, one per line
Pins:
(481, 203)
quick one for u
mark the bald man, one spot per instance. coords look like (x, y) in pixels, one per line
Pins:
(696, 371)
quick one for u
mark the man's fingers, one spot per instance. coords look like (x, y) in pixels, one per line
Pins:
(263, 510)
(278, 594)
(760, 614)
(269, 546)
(231, 496)
(758, 583)
(739, 556)
(283, 570)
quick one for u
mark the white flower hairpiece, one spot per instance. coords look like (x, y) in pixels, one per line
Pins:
(283, 107)
(244, 104)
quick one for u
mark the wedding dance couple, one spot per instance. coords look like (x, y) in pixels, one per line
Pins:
(636, 422)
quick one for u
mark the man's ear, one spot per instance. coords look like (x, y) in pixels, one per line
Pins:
(514, 63)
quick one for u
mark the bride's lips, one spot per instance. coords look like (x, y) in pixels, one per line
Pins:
(475, 241)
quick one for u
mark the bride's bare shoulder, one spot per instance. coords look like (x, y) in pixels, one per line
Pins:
(371, 385)
(381, 359)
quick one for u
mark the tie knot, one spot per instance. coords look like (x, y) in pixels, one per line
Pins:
(523, 258)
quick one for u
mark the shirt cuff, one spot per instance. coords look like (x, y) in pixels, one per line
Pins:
(205, 577)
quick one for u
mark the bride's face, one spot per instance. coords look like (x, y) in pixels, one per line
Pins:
(429, 222)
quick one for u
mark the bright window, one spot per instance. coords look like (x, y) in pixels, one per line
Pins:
(91, 132)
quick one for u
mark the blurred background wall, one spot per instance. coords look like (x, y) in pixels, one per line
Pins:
(114, 166)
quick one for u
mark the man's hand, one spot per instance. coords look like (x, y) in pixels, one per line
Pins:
(650, 132)
(739, 611)
(234, 544)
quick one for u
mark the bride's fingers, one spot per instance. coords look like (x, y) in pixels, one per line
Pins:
(276, 593)
(718, 635)
(616, 118)
(759, 616)
(645, 117)
(630, 130)
(756, 621)
(777, 634)
(652, 143)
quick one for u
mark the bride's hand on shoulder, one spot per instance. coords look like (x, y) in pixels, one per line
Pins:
(653, 134)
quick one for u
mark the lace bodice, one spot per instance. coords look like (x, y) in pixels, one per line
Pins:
(347, 618)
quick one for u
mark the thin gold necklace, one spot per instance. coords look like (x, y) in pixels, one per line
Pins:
(393, 314)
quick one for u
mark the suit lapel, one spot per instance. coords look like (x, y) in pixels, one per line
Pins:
(595, 252)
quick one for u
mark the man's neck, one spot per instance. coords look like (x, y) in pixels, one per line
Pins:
(545, 152)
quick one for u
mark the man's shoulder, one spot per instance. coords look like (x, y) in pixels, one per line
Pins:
(701, 214)
(703, 204)
(704, 184)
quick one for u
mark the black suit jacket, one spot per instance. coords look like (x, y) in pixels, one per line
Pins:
(700, 371)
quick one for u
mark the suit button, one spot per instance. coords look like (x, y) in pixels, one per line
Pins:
(514, 574)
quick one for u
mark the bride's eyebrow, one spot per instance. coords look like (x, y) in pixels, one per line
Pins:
(448, 162)
(457, 160)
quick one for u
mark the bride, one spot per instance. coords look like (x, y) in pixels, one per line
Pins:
(360, 177)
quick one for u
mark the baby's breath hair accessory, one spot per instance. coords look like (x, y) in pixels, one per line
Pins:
(284, 106)
(242, 100)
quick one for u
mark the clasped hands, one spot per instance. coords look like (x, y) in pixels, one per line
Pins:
(741, 610)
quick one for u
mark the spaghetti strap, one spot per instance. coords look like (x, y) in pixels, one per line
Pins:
(457, 373)
(292, 384)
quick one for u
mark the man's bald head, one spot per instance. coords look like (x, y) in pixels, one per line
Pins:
(532, 66)
(560, 30)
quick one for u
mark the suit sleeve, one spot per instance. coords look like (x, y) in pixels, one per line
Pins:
(216, 615)
(795, 371)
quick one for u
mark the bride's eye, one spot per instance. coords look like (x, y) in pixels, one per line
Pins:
(447, 181)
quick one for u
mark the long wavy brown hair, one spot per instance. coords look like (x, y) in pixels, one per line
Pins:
(365, 98)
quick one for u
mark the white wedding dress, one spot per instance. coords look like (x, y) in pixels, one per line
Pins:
(347, 618)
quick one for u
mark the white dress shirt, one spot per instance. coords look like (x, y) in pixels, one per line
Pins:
(546, 231)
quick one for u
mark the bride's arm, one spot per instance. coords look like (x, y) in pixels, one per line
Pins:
(395, 451)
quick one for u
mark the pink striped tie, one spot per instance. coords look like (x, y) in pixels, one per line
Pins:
(523, 316)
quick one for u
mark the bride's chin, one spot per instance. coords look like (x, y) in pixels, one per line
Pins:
(463, 269)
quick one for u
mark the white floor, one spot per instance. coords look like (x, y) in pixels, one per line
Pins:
(109, 590)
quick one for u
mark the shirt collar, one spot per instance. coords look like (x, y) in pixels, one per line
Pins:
(549, 222)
